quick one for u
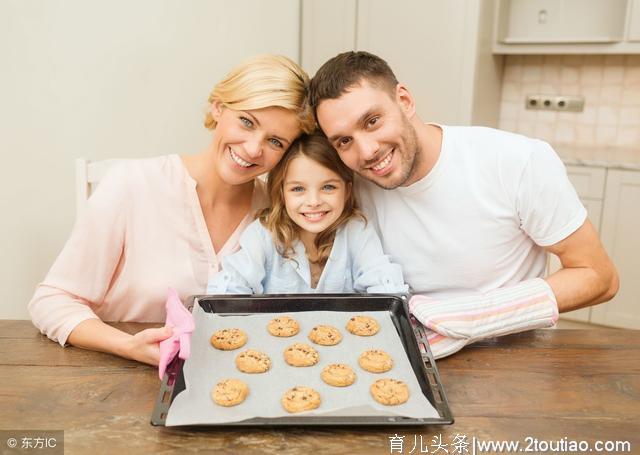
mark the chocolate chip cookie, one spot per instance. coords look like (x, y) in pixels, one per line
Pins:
(229, 392)
(283, 326)
(252, 361)
(228, 339)
(375, 361)
(300, 399)
(389, 392)
(325, 335)
(363, 326)
(301, 355)
(338, 375)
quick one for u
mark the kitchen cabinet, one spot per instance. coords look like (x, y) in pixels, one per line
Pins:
(440, 50)
(567, 27)
(611, 198)
(619, 232)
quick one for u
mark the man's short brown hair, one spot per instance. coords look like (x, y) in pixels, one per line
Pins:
(346, 70)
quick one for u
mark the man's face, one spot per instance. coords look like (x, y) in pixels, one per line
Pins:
(372, 134)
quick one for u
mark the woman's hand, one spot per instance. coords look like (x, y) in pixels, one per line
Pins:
(144, 346)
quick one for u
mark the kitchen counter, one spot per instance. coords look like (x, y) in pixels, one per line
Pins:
(608, 157)
(544, 385)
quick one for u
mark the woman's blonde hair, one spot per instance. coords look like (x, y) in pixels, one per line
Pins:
(316, 147)
(265, 81)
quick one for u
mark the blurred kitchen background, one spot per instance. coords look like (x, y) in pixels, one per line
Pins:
(126, 79)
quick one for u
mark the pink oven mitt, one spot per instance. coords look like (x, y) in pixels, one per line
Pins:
(181, 320)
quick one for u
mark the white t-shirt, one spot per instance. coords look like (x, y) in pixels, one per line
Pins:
(479, 219)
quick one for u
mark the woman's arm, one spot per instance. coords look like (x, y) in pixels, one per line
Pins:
(81, 276)
(95, 335)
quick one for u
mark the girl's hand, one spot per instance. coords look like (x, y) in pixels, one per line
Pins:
(144, 345)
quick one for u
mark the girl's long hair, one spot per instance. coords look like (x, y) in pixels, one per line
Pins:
(316, 147)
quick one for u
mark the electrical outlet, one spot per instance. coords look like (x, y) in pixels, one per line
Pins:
(555, 103)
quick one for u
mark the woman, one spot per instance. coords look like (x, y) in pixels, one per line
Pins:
(167, 221)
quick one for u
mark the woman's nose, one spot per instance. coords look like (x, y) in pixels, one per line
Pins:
(253, 147)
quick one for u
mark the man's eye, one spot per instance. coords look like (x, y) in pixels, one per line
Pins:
(276, 142)
(372, 121)
(246, 122)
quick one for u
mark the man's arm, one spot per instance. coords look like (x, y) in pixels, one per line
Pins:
(588, 276)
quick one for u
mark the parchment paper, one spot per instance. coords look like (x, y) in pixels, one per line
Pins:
(207, 366)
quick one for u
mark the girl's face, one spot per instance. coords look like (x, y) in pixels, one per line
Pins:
(249, 143)
(314, 195)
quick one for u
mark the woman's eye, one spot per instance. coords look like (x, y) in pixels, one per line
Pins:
(276, 142)
(246, 122)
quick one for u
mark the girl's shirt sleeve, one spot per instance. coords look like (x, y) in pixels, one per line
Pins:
(244, 271)
(372, 270)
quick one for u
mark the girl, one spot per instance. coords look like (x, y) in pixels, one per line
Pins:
(171, 219)
(313, 238)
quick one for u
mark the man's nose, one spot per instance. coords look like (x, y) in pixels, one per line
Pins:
(368, 148)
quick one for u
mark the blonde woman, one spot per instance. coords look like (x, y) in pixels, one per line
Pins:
(313, 238)
(168, 221)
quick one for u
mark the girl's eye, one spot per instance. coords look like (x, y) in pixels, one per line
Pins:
(297, 189)
(276, 142)
(343, 141)
(246, 122)
(329, 187)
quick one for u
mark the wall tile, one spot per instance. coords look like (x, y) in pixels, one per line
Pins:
(610, 85)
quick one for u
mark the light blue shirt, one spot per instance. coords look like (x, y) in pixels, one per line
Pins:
(356, 264)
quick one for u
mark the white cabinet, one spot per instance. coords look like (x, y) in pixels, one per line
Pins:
(612, 200)
(620, 233)
(567, 27)
(440, 49)
(562, 21)
(633, 33)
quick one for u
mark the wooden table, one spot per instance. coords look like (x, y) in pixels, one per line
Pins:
(552, 385)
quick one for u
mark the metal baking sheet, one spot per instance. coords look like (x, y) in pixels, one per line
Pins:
(427, 404)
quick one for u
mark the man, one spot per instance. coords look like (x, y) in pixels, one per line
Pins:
(469, 212)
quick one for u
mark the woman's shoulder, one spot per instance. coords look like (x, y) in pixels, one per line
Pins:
(145, 170)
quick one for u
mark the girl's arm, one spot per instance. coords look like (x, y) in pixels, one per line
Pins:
(244, 271)
(372, 270)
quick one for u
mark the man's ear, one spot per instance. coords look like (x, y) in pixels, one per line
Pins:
(347, 192)
(405, 100)
(216, 110)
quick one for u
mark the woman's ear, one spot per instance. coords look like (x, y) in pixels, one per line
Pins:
(216, 110)
(405, 100)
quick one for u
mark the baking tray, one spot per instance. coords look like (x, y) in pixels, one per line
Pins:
(412, 335)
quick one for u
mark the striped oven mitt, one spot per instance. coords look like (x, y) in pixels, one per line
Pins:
(453, 323)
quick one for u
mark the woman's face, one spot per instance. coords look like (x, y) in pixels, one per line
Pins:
(250, 143)
(314, 196)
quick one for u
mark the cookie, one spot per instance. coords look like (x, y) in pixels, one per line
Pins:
(363, 326)
(300, 399)
(228, 339)
(325, 335)
(338, 375)
(229, 392)
(301, 355)
(375, 361)
(283, 326)
(389, 391)
(251, 361)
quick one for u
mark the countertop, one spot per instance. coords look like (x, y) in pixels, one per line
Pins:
(608, 157)
(531, 388)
